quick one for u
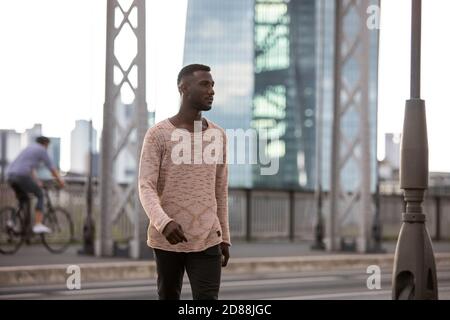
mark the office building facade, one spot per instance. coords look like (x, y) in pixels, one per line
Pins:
(79, 147)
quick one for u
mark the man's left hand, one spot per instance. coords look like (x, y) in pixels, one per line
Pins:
(224, 247)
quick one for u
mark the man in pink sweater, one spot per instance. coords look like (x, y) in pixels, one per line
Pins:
(183, 188)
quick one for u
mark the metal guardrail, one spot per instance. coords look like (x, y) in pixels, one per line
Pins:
(257, 214)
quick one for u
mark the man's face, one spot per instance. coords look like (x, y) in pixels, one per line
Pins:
(200, 92)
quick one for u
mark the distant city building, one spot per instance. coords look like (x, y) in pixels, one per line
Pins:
(79, 147)
(54, 150)
(392, 149)
(30, 135)
(151, 119)
(10, 147)
(390, 165)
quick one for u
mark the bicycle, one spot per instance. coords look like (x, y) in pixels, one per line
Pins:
(16, 226)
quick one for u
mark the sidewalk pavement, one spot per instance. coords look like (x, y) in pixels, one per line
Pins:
(35, 265)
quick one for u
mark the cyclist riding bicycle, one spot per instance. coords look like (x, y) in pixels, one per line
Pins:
(22, 177)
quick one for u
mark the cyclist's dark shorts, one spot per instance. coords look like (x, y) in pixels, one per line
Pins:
(22, 185)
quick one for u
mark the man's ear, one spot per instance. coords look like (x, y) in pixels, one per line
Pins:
(183, 88)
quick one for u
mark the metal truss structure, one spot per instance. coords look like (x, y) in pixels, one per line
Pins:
(125, 121)
(351, 207)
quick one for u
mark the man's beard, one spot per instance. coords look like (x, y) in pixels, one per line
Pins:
(202, 107)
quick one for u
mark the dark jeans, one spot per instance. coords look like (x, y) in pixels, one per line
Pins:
(203, 269)
(22, 185)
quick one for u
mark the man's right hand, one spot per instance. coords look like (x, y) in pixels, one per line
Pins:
(173, 233)
(57, 177)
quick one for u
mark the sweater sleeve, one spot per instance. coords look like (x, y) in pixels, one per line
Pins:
(222, 194)
(149, 166)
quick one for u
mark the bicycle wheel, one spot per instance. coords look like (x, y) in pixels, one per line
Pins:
(60, 222)
(10, 230)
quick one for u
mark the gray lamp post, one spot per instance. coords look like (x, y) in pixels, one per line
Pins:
(319, 230)
(89, 224)
(414, 275)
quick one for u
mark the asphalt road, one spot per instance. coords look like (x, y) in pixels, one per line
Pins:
(331, 285)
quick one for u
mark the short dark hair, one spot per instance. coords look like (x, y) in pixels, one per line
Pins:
(190, 69)
(42, 140)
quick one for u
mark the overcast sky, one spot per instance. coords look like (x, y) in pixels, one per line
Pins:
(53, 51)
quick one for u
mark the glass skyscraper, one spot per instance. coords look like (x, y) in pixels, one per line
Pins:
(263, 55)
(284, 91)
(220, 34)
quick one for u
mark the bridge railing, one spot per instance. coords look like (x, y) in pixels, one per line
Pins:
(257, 214)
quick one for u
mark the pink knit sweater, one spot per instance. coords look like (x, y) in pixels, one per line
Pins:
(192, 194)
